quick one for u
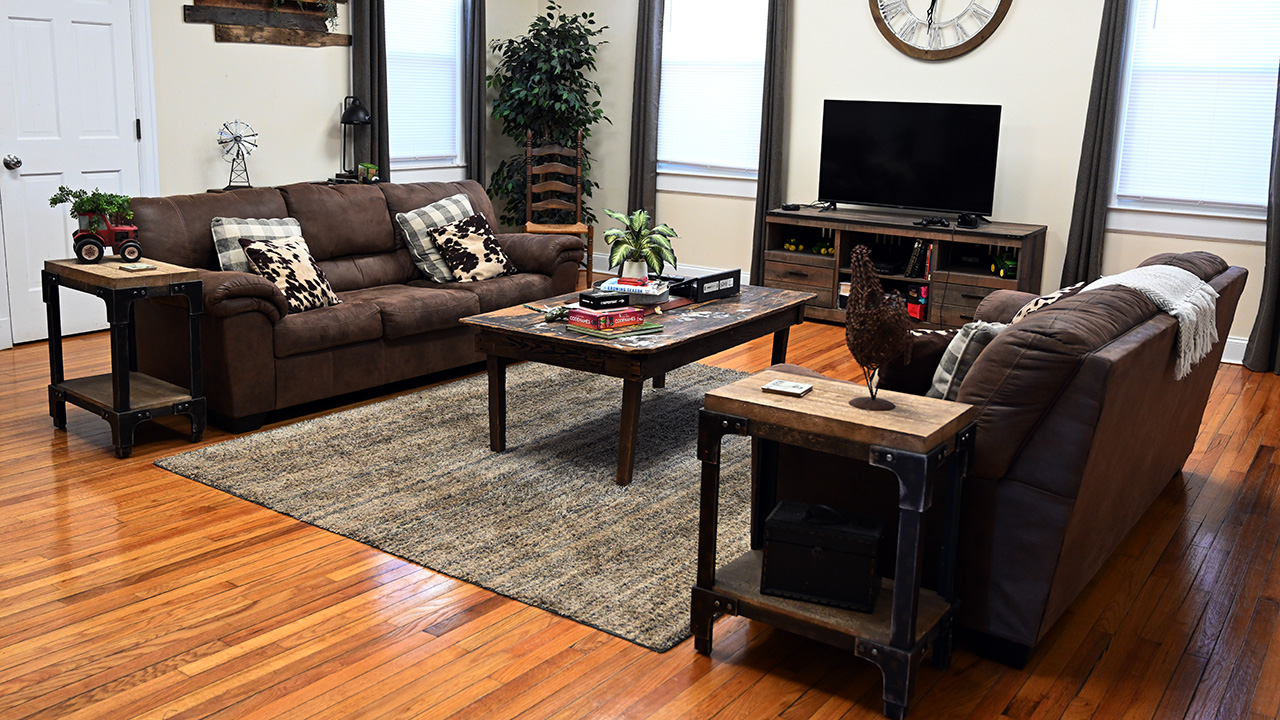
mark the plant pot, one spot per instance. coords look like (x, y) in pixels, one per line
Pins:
(635, 269)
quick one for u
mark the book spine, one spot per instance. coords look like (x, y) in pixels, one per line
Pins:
(605, 320)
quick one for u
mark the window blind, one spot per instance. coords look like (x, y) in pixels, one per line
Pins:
(712, 84)
(424, 59)
(1199, 109)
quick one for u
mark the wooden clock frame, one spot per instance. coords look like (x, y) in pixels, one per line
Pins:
(925, 54)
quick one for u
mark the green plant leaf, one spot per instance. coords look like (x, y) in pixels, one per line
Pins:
(665, 231)
(618, 254)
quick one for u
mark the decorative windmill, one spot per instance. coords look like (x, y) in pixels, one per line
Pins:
(237, 140)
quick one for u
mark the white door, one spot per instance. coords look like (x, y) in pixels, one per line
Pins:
(66, 76)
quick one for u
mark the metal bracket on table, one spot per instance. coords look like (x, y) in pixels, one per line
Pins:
(713, 426)
(913, 471)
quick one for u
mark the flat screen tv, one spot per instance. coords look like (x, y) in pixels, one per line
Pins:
(920, 156)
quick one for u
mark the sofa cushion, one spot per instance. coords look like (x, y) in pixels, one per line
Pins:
(228, 232)
(403, 197)
(408, 310)
(1045, 301)
(916, 377)
(415, 224)
(468, 248)
(1203, 265)
(354, 272)
(958, 358)
(177, 229)
(328, 327)
(501, 292)
(340, 220)
(288, 264)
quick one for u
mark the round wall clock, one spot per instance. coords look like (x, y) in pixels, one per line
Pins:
(938, 29)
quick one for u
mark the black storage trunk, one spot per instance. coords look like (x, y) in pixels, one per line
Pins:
(813, 553)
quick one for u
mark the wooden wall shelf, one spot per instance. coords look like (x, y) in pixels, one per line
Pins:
(958, 273)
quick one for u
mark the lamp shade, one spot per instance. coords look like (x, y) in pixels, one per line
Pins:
(355, 113)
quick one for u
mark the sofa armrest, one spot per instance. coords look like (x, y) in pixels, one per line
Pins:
(228, 293)
(541, 253)
(1001, 305)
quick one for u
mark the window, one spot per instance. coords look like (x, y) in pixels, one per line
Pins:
(1199, 108)
(424, 68)
(711, 89)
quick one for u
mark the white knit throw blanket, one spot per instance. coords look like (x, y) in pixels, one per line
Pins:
(1183, 295)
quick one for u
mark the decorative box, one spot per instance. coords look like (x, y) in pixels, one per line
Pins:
(814, 553)
(605, 319)
(602, 300)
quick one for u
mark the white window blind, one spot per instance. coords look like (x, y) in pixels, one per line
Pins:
(1200, 105)
(424, 59)
(711, 87)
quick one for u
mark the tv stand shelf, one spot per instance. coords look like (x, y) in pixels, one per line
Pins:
(957, 275)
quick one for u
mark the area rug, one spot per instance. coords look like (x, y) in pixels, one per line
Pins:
(543, 522)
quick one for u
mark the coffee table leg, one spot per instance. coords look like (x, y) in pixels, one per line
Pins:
(780, 345)
(659, 381)
(629, 429)
(497, 368)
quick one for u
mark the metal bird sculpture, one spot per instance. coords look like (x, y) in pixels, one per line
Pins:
(876, 326)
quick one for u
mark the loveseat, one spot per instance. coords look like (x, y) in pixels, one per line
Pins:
(1080, 426)
(392, 324)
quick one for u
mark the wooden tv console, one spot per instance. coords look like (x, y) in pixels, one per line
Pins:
(958, 273)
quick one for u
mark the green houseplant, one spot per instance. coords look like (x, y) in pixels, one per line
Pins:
(90, 207)
(542, 85)
(636, 242)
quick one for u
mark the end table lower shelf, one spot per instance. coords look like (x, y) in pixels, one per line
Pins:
(739, 581)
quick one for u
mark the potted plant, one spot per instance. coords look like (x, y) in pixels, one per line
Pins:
(637, 247)
(102, 219)
(542, 85)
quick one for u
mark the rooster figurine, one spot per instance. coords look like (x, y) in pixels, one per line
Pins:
(876, 326)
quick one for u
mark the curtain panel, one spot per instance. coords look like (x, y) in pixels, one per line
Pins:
(475, 55)
(369, 81)
(769, 188)
(643, 190)
(1263, 352)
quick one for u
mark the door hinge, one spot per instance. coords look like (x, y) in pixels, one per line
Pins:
(137, 126)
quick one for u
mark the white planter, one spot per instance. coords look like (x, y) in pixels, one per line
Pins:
(635, 269)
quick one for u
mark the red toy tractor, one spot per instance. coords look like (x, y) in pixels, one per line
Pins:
(90, 244)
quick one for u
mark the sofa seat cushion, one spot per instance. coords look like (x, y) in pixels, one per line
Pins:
(408, 310)
(501, 292)
(327, 327)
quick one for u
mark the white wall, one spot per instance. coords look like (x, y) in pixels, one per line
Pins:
(291, 95)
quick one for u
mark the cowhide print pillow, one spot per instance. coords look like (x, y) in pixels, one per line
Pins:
(1045, 301)
(288, 264)
(470, 251)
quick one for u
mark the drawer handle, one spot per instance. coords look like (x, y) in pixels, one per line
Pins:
(971, 296)
(797, 273)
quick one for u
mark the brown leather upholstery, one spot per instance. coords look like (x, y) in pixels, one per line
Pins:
(1081, 425)
(391, 326)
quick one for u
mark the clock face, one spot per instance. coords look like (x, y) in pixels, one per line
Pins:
(938, 29)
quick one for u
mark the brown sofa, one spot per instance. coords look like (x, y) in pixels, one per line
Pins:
(393, 323)
(1081, 425)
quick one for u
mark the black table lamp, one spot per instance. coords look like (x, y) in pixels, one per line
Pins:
(353, 113)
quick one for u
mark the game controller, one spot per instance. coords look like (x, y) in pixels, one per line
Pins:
(932, 220)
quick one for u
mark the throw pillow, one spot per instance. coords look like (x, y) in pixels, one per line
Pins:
(470, 250)
(415, 225)
(916, 377)
(228, 231)
(288, 264)
(959, 356)
(1045, 301)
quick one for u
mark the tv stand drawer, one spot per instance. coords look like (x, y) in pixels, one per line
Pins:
(808, 276)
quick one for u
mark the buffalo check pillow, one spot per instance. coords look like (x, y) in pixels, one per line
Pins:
(227, 233)
(959, 356)
(416, 226)
(288, 264)
(470, 250)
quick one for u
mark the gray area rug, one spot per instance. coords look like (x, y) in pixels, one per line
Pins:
(542, 522)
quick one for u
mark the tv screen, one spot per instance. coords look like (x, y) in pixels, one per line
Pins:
(920, 156)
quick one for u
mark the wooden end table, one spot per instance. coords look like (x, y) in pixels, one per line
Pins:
(690, 333)
(917, 441)
(124, 397)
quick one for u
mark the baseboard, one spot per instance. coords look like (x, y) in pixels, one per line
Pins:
(600, 264)
(1233, 350)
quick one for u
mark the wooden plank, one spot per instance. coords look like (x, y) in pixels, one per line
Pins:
(278, 36)
(109, 275)
(257, 18)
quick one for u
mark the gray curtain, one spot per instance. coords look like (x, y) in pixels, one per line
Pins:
(772, 123)
(369, 81)
(1097, 156)
(1263, 352)
(643, 191)
(474, 105)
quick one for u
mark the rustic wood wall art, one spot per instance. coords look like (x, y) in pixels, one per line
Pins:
(256, 21)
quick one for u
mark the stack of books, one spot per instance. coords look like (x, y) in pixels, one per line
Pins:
(642, 292)
(605, 319)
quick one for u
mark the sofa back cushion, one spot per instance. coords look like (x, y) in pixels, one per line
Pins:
(341, 220)
(406, 197)
(178, 229)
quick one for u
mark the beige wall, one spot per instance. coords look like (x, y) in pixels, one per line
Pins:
(291, 95)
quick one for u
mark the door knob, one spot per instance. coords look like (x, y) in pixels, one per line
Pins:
(12, 162)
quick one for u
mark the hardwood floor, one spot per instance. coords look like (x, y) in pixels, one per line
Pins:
(129, 592)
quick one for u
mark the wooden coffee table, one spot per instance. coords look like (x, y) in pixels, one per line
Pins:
(690, 333)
